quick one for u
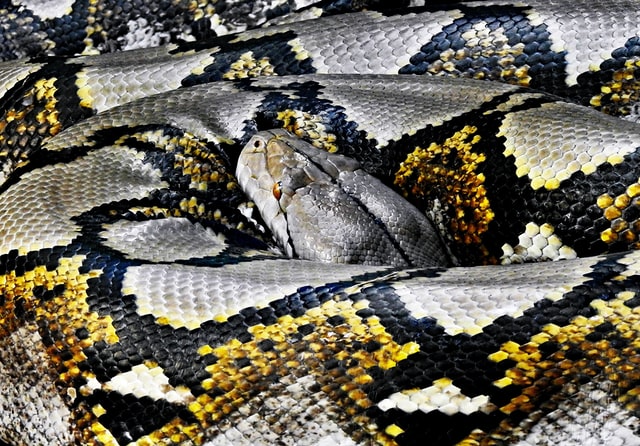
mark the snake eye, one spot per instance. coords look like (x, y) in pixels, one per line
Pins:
(277, 190)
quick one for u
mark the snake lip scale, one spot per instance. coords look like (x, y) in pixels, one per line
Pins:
(145, 292)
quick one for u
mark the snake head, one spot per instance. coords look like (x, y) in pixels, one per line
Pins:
(324, 207)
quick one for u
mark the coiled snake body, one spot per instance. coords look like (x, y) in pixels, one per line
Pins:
(143, 299)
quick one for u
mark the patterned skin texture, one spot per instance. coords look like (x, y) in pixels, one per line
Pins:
(144, 301)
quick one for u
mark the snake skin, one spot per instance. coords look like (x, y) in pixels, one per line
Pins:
(144, 301)
(34, 28)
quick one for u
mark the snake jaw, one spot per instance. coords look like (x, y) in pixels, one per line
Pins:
(258, 184)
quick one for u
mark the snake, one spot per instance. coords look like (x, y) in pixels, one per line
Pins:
(296, 223)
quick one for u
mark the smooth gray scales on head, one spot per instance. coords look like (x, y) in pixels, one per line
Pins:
(323, 206)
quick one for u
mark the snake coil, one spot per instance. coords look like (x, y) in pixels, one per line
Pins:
(144, 298)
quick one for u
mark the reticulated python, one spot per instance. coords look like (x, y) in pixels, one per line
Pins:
(143, 299)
